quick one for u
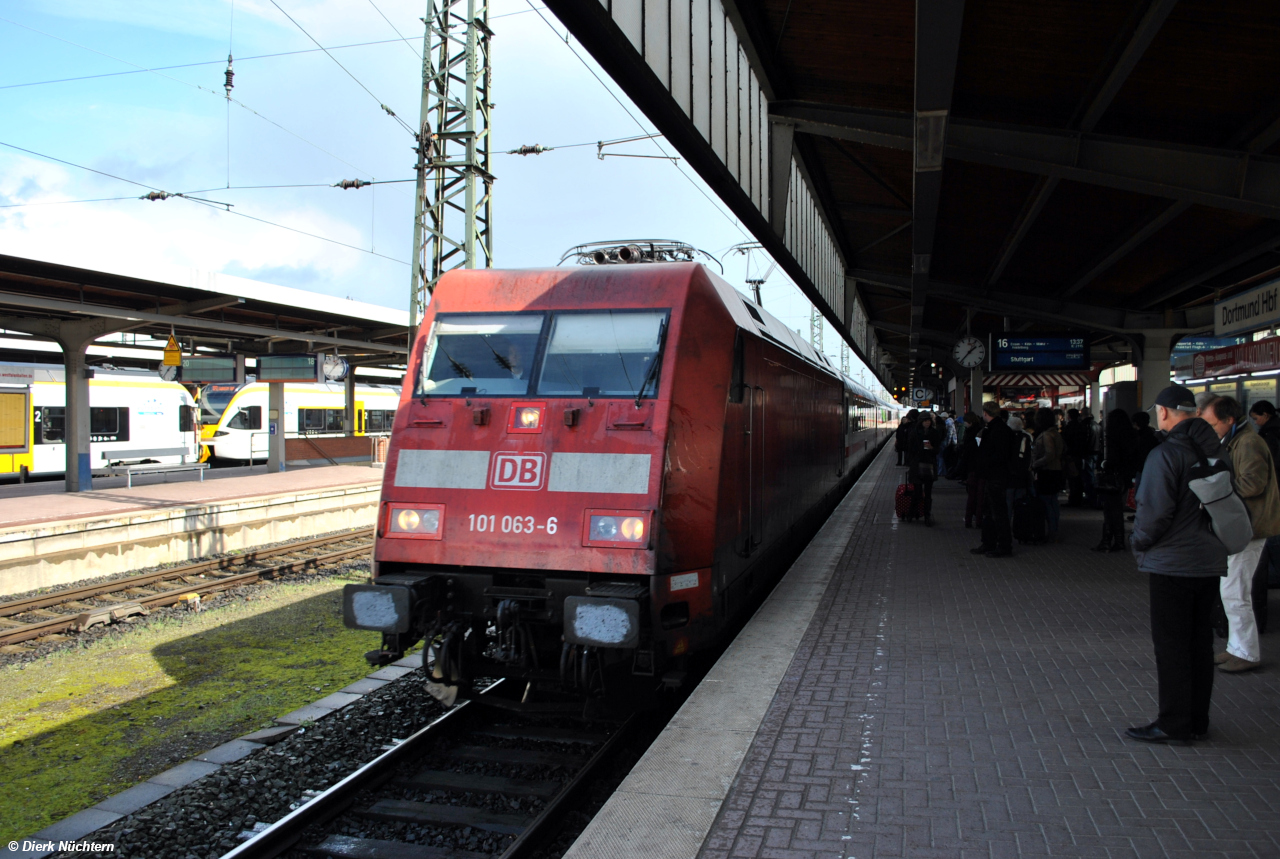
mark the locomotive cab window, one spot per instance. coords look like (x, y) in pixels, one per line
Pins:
(478, 353)
(607, 354)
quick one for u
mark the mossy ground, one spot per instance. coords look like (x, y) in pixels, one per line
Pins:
(89, 722)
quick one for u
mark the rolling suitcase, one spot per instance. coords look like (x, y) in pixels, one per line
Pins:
(1030, 524)
(905, 504)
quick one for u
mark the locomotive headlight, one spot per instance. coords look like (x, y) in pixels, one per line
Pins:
(621, 528)
(604, 528)
(529, 417)
(418, 521)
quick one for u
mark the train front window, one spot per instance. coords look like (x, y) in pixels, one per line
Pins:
(478, 353)
(613, 353)
(214, 400)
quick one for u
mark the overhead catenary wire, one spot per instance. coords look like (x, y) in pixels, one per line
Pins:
(161, 194)
(360, 83)
(189, 84)
(416, 52)
(141, 70)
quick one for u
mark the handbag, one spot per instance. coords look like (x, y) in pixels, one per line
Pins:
(1109, 482)
(924, 472)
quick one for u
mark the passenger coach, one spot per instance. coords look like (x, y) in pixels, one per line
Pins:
(593, 471)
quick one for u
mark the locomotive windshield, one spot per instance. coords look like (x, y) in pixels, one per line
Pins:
(607, 354)
(475, 353)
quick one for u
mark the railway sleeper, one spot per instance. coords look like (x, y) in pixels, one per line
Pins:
(475, 783)
(430, 813)
(518, 757)
(347, 847)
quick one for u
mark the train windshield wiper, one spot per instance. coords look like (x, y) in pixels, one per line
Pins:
(652, 374)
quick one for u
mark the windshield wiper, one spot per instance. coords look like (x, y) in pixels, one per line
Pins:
(652, 374)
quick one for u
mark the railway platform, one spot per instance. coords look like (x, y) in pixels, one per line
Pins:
(897, 696)
(50, 538)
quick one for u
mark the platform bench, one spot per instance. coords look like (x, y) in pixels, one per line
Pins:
(129, 470)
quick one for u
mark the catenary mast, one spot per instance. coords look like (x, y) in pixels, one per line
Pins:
(452, 226)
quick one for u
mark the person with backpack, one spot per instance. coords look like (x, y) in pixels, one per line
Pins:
(1184, 561)
(1114, 476)
(922, 452)
(1255, 481)
(1047, 454)
(1019, 463)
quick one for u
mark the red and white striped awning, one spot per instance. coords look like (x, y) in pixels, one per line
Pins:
(1037, 380)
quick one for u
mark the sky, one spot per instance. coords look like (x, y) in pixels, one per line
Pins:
(302, 119)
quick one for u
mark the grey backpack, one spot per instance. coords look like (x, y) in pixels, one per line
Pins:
(1228, 516)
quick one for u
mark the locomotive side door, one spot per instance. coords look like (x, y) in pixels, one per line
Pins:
(748, 391)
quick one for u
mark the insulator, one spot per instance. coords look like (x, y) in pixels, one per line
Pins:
(351, 183)
(156, 195)
(535, 149)
(229, 85)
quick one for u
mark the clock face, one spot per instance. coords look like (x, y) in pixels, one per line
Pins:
(970, 352)
(168, 373)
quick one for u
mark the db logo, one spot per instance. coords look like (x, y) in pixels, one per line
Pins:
(518, 470)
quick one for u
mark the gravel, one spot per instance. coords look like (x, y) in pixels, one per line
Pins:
(205, 818)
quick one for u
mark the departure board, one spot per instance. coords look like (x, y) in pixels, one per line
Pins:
(1040, 352)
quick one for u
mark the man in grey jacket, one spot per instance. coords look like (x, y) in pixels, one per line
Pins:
(1184, 560)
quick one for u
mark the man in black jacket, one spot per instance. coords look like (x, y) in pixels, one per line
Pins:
(1184, 561)
(1076, 437)
(992, 466)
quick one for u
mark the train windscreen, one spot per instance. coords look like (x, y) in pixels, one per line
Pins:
(214, 400)
(476, 353)
(609, 353)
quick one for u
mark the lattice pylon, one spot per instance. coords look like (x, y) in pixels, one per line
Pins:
(815, 329)
(452, 225)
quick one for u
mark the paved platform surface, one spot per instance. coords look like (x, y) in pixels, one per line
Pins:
(943, 704)
(22, 505)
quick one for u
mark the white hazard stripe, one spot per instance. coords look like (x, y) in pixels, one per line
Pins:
(610, 473)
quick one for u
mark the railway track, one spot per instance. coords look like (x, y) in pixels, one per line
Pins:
(488, 766)
(78, 609)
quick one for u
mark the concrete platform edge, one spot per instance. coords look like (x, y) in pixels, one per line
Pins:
(667, 804)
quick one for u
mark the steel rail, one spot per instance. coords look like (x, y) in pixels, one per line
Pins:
(285, 832)
(169, 597)
(531, 839)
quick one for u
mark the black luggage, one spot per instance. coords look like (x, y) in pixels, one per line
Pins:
(1030, 523)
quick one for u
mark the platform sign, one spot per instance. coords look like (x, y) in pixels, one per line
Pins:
(172, 353)
(1068, 351)
(206, 368)
(300, 367)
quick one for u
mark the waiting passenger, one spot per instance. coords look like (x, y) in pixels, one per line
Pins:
(903, 435)
(967, 469)
(1146, 441)
(1046, 462)
(1114, 476)
(1174, 545)
(922, 451)
(1255, 480)
(1019, 465)
(1075, 435)
(995, 450)
(1264, 418)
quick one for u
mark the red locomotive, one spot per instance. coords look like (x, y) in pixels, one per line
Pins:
(594, 471)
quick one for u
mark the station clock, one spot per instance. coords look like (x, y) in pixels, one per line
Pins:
(969, 352)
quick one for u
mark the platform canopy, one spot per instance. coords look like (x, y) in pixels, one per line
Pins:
(919, 168)
(75, 307)
(204, 309)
